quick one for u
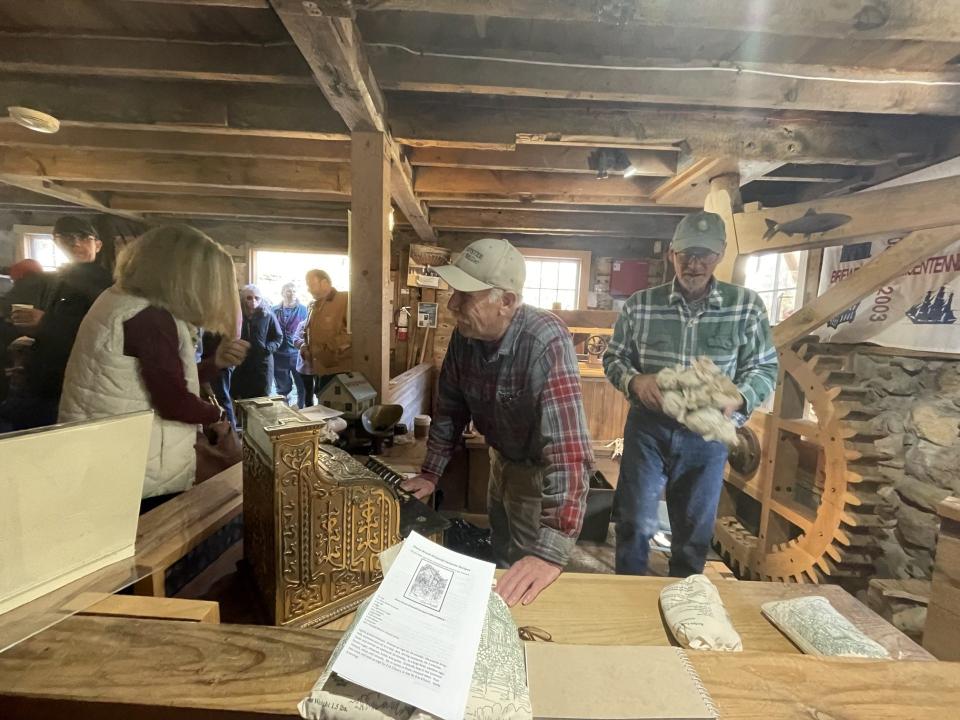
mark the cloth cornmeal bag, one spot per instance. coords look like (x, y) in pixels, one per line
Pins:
(498, 689)
(696, 615)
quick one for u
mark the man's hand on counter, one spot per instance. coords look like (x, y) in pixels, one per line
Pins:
(420, 485)
(526, 579)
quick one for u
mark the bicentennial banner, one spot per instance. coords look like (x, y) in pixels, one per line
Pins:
(916, 311)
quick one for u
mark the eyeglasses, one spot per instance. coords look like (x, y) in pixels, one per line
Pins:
(73, 238)
(703, 258)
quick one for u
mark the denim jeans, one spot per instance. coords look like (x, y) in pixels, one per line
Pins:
(660, 453)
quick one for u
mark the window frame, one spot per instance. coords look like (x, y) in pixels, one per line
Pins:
(776, 291)
(583, 257)
(20, 233)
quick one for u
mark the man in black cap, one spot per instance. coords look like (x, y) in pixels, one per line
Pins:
(53, 327)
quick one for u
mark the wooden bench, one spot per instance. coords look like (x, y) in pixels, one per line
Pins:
(170, 531)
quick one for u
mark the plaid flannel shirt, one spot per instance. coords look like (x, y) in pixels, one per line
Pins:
(657, 329)
(524, 396)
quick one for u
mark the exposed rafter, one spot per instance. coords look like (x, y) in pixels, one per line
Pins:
(71, 195)
(555, 223)
(178, 142)
(146, 59)
(749, 136)
(187, 106)
(843, 19)
(743, 85)
(646, 163)
(452, 182)
(334, 51)
(200, 206)
(182, 172)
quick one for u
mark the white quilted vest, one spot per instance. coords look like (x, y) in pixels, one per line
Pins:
(101, 381)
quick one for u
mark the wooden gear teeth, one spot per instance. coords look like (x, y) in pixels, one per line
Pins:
(808, 528)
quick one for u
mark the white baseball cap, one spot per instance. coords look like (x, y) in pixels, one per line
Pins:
(485, 264)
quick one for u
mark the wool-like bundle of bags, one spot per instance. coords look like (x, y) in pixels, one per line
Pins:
(696, 396)
(696, 616)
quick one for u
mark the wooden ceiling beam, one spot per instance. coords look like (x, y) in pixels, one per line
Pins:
(650, 163)
(925, 20)
(149, 59)
(105, 186)
(196, 206)
(744, 85)
(234, 4)
(646, 208)
(845, 139)
(313, 238)
(334, 51)
(560, 223)
(452, 182)
(193, 106)
(44, 186)
(178, 171)
(881, 213)
(178, 143)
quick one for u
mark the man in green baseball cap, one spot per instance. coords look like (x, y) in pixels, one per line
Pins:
(693, 316)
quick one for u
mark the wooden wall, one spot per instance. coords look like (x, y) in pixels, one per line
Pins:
(606, 409)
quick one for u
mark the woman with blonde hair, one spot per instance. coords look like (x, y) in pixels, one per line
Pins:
(136, 348)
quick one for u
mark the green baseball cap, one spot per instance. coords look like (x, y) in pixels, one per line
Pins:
(700, 231)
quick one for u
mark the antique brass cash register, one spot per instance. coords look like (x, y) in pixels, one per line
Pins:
(315, 518)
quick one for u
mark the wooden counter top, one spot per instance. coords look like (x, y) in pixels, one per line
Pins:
(111, 668)
(624, 610)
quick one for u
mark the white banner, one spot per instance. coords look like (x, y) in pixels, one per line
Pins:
(916, 311)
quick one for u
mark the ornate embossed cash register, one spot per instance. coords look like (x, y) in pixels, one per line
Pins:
(315, 518)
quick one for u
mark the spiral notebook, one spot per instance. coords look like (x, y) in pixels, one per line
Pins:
(615, 682)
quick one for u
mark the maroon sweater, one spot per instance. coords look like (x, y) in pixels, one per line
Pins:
(151, 337)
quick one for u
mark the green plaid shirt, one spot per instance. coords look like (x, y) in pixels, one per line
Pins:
(658, 329)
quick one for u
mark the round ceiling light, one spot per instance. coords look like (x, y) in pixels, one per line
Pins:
(34, 119)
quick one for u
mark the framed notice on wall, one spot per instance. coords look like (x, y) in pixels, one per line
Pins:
(427, 314)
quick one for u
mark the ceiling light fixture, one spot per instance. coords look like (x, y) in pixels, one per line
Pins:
(33, 119)
(606, 160)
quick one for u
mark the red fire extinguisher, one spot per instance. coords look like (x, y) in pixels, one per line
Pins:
(403, 323)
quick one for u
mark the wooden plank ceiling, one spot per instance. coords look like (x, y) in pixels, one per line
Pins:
(241, 110)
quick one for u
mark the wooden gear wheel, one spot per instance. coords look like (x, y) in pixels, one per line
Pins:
(596, 345)
(800, 497)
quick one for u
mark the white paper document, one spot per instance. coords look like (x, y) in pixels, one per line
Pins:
(417, 641)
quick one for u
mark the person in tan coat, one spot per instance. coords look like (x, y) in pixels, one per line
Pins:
(322, 339)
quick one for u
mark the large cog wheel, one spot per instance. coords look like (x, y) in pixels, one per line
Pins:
(807, 510)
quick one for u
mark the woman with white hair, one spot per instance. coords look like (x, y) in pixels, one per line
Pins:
(136, 347)
(259, 327)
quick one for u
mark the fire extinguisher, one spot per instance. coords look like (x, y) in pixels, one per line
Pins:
(403, 323)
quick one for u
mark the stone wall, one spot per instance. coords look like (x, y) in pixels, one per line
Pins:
(918, 399)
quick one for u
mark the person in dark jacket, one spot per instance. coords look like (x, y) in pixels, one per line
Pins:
(290, 314)
(53, 327)
(259, 327)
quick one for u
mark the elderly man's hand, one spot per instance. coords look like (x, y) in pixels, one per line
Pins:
(421, 485)
(645, 389)
(526, 579)
(230, 353)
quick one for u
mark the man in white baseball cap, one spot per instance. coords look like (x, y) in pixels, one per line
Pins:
(511, 368)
